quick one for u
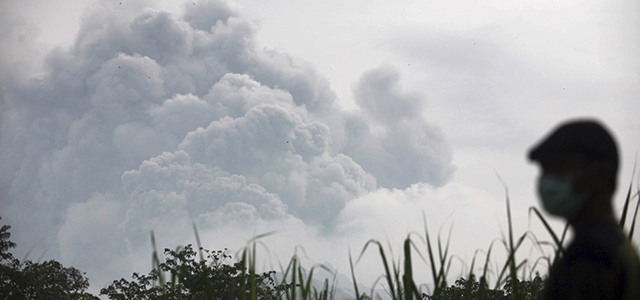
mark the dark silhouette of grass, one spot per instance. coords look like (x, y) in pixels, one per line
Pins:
(399, 276)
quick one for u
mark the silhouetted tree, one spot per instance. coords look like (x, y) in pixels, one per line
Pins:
(48, 280)
(472, 289)
(5, 243)
(528, 289)
(190, 278)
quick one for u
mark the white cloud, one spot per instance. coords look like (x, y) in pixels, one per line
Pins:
(151, 119)
(93, 238)
(395, 142)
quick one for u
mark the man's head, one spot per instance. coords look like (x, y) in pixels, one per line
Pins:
(579, 161)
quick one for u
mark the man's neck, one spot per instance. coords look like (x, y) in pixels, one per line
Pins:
(600, 210)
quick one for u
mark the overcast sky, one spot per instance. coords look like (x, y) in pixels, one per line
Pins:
(331, 122)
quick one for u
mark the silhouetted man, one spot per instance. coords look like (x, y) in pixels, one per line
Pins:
(579, 161)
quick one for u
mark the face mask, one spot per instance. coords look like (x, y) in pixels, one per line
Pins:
(558, 197)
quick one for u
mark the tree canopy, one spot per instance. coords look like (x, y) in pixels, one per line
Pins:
(192, 278)
(472, 289)
(182, 276)
(48, 280)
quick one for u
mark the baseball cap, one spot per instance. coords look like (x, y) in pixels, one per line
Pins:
(584, 136)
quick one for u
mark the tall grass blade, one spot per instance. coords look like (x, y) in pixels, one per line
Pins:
(208, 291)
(195, 232)
(294, 278)
(155, 264)
(252, 271)
(511, 248)
(470, 277)
(262, 235)
(243, 276)
(289, 268)
(635, 215)
(564, 233)
(408, 272)
(623, 218)
(385, 263)
(486, 263)
(557, 241)
(353, 277)
(443, 259)
(434, 272)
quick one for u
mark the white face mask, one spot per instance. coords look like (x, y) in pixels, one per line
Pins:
(558, 197)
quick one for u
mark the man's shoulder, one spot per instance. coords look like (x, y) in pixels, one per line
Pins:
(602, 261)
(627, 258)
(599, 243)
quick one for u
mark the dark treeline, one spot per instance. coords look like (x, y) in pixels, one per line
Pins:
(184, 276)
(181, 276)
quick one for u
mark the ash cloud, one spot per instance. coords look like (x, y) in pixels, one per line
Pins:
(391, 139)
(151, 120)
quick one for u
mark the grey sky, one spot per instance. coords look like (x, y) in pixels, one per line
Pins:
(332, 122)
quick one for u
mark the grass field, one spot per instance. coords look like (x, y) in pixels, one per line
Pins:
(423, 250)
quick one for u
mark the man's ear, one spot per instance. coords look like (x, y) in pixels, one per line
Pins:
(602, 173)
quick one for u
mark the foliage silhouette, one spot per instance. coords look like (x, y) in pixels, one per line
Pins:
(473, 289)
(209, 278)
(48, 280)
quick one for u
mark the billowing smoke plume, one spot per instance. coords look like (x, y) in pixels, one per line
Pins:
(404, 148)
(151, 120)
